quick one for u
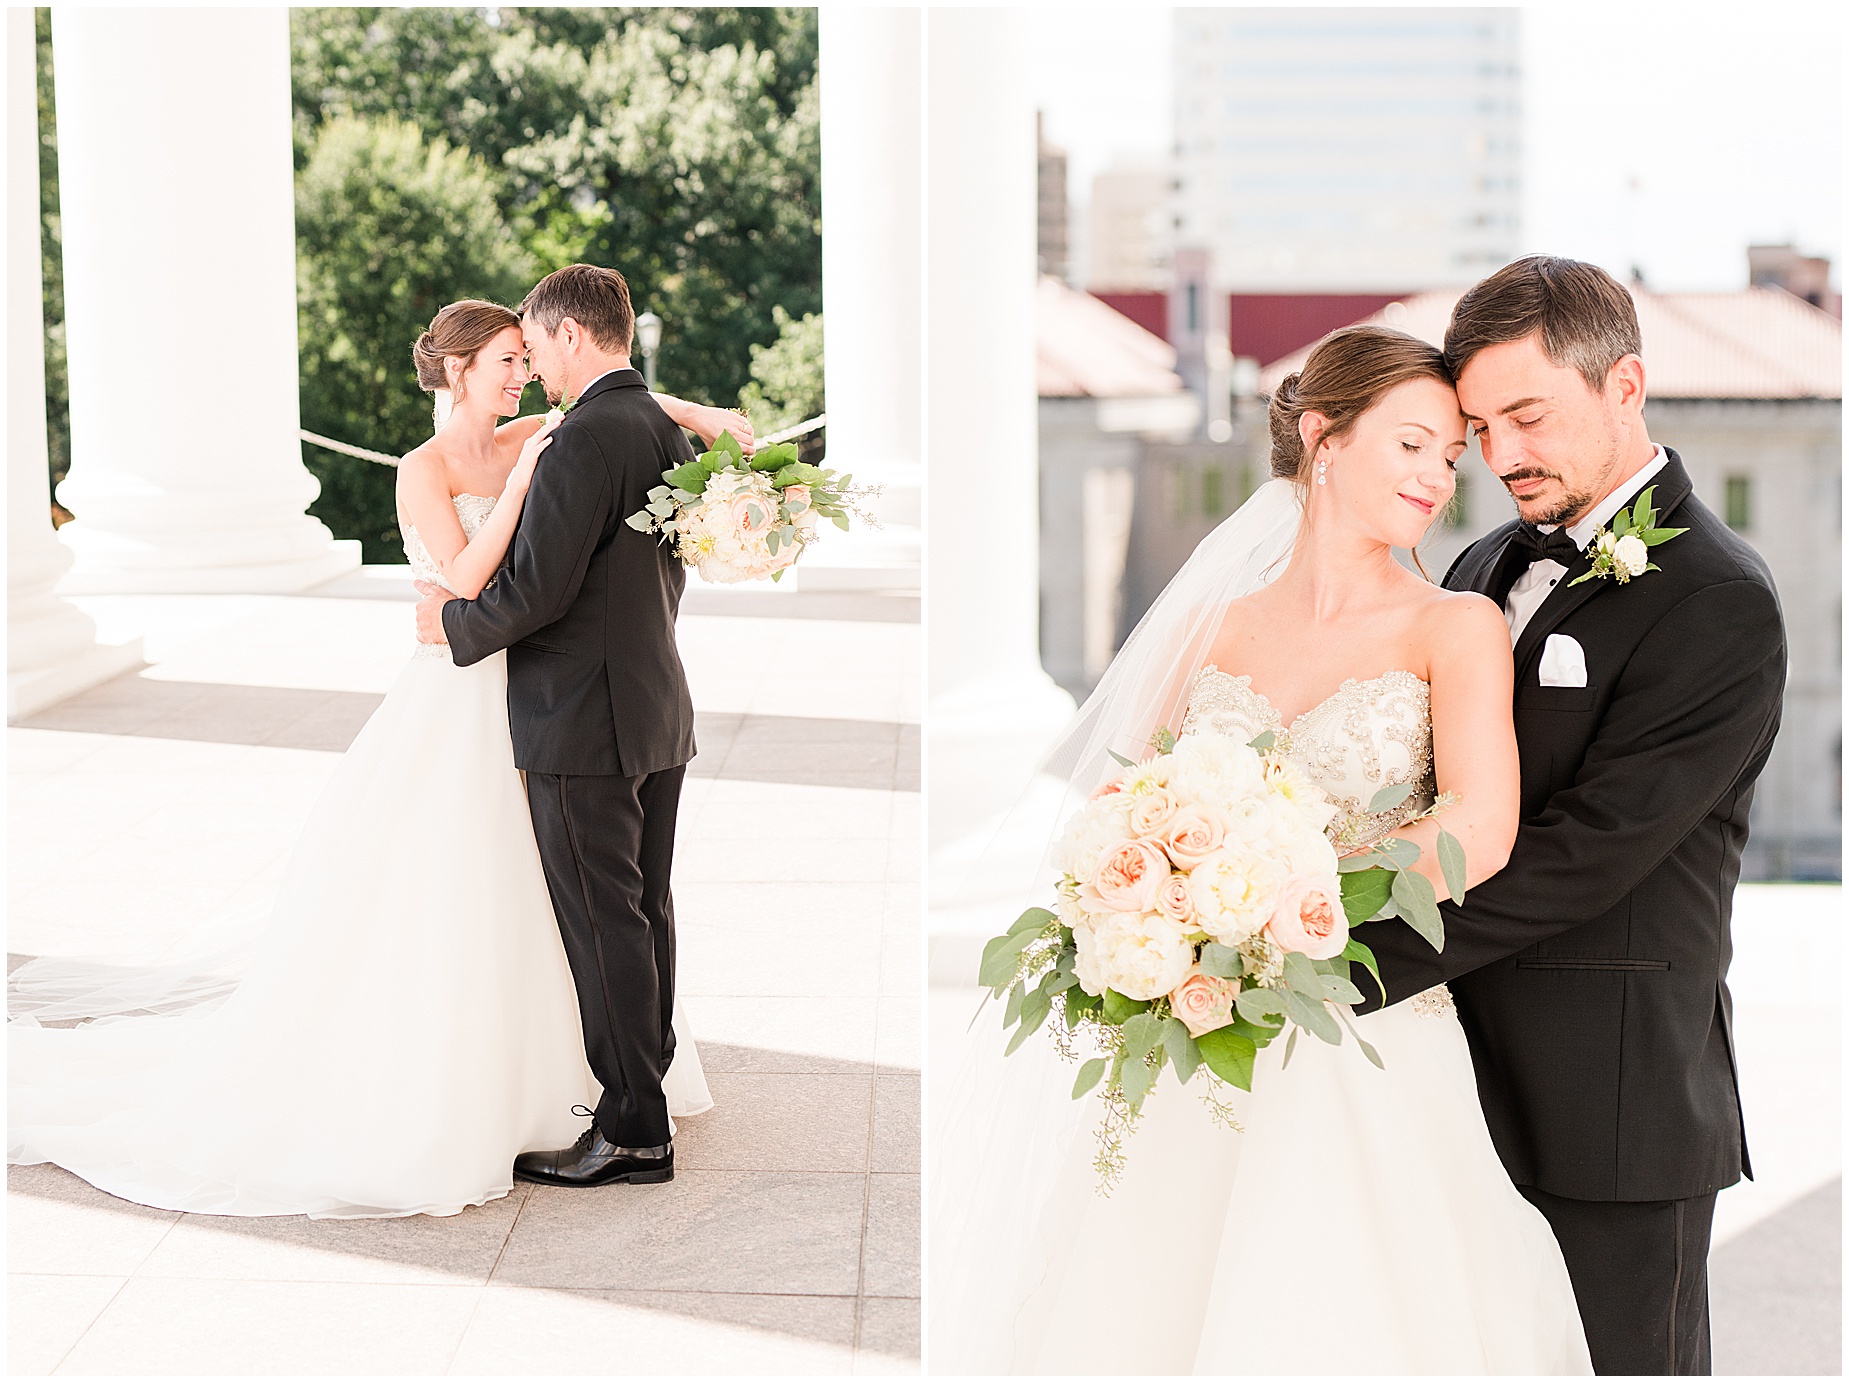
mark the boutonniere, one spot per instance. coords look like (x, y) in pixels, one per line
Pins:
(561, 408)
(1623, 550)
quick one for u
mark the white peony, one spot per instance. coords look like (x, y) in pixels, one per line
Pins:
(1097, 827)
(1234, 891)
(1140, 956)
(1215, 769)
(1631, 555)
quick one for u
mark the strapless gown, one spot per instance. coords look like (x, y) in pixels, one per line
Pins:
(1360, 1224)
(405, 1022)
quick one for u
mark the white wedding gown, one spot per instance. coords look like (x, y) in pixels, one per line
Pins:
(405, 1023)
(1360, 1224)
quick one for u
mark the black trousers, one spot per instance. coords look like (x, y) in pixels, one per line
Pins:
(607, 844)
(1640, 1274)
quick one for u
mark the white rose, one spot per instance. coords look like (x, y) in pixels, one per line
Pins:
(1631, 554)
(1141, 957)
(1607, 541)
(1233, 894)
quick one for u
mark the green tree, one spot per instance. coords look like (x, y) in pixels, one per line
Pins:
(51, 261)
(786, 377)
(681, 146)
(389, 228)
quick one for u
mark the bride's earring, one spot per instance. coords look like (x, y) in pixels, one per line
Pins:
(1322, 471)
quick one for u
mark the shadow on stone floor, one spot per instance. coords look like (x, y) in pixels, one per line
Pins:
(794, 1210)
(1776, 1291)
(882, 755)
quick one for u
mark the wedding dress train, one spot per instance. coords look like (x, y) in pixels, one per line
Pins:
(1361, 1223)
(405, 1023)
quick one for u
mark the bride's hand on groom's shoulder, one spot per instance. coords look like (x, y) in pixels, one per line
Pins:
(521, 476)
(708, 423)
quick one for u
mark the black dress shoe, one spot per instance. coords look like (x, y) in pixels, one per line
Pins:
(595, 1161)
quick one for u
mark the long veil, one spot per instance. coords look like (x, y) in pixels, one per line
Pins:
(1007, 1124)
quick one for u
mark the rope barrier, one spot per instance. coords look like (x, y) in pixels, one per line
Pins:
(789, 434)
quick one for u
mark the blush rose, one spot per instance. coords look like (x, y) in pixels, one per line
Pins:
(1308, 917)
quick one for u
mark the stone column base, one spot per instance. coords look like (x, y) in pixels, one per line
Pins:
(269, 578)
(34, 689)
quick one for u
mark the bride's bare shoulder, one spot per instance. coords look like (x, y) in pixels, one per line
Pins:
(1464, 623)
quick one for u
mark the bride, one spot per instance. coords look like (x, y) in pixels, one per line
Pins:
(403, 1024)
(1360, 1222)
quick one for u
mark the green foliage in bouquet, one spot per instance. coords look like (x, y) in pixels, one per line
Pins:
(831, 496)
(1033, 969)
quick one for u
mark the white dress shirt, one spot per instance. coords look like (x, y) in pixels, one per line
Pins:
(1533, 586)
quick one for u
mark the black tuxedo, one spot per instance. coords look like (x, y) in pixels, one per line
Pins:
(602, 722)
(1590, 974)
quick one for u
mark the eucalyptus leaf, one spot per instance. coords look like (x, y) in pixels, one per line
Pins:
(1181, 1050)
(1228, 1055)
(1089, 1075)
(1001, 958)
(1300, 974)
(640, 522)
(1141, 1033)
(1034, 1009)
(1418, 904)
(1011, 1012)
(1033, 921)
(1264, 743)
(1136, 1078)
(1451, 861)
(840, 521)
(1403, 853)
(1121, 760)
(1257, 1004)
(1222, 962)
(1314, 1016)
(772, 541)
(1389, 797)
(1339, 990)
(1367, 1049)
(1290, 1046)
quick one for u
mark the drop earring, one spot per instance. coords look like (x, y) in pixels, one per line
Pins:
(1322, 472)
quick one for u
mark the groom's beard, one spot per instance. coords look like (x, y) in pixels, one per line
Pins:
(554, 397)
(1574, 504)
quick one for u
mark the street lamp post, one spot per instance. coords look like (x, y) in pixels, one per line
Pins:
(648, 337)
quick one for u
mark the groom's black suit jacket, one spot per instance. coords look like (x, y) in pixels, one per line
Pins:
(585, 605)
(1590, 974)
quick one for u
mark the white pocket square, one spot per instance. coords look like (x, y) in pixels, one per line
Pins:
(1563, 662)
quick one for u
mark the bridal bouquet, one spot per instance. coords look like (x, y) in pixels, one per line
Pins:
(1202, 912)
(739, 518)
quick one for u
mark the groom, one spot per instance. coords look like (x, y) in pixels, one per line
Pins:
(1590, 974)
(598, 705)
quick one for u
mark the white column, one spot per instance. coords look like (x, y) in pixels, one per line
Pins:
(51, 648)
(178, 199)
(993, 710)
(872, 171)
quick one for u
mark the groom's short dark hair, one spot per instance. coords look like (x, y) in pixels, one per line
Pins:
(596, 298)
(1584, 316)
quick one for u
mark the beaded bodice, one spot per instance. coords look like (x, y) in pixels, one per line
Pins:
(1366, 736)
(472, 512)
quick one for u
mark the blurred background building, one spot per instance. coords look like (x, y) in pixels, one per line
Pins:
(1348, 149)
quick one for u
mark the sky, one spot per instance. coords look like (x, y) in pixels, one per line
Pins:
(1728, 120)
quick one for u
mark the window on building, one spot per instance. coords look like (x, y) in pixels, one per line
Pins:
(1739, 502)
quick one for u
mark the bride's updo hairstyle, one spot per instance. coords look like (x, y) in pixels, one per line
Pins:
(1347, 373)
(459, 330)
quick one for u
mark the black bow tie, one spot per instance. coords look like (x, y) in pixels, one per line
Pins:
(1555, 546)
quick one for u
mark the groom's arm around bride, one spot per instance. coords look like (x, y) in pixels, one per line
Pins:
(1590, 974)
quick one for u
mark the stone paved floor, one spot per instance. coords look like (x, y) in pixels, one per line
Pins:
(788, 1241)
